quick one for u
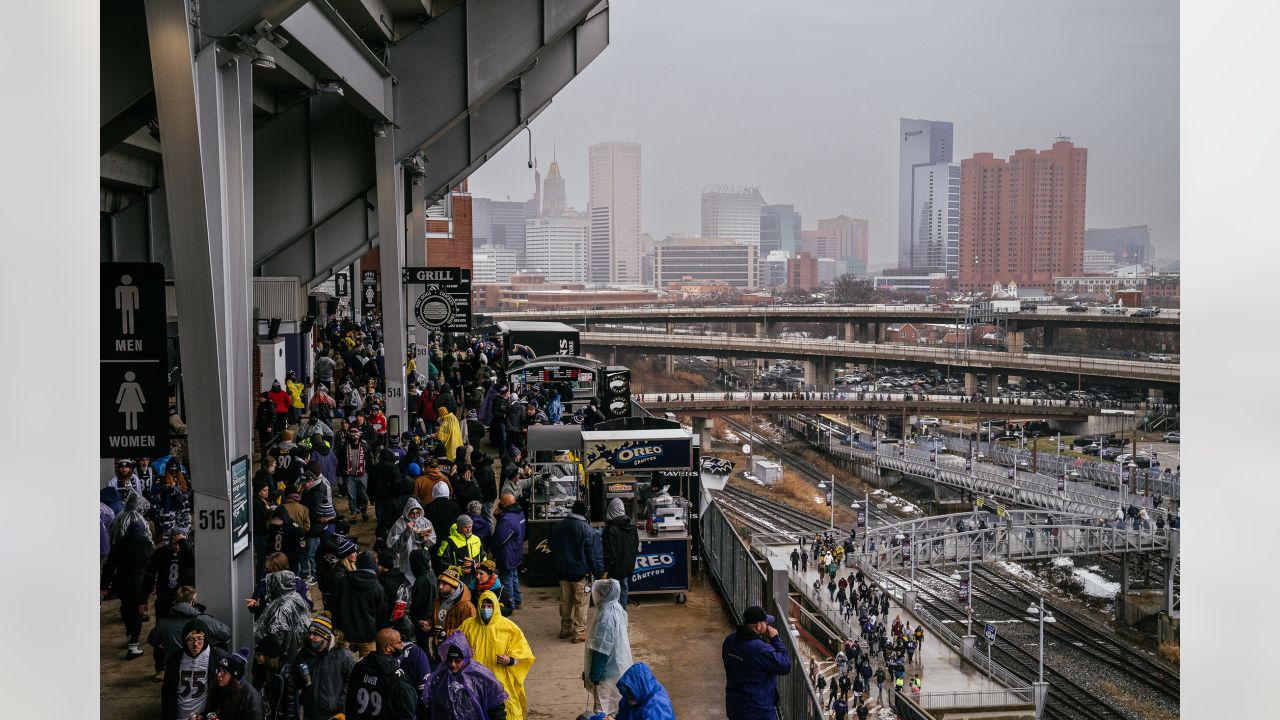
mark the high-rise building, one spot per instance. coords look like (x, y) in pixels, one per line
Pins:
(779, 229)
(852, 236)
(613, 251)
(802, 272)
(481, 225)
(732, 212)
(924, 156)
(824, 243)
(556, 248)
(506, 226)
(706, 260)
(1097, 261)
(493, 264)
(1022, 219)
(1130, 245)
(773, 269)
(553, 197)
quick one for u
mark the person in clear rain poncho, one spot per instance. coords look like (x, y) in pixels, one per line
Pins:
(409, 533)
(608, 650)
(286, 616)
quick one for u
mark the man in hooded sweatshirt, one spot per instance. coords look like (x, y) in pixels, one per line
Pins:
(461, 688)
(166, 637)
(430, 479)
(621, 543)
(443, 512)
(643, 697)
(358, 603)
(188, 674)
(499, 644)
(280, 404)
(377, 689)
(126, 564)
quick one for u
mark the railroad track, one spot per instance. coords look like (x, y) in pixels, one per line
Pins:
(771, 516)
(800, 465)
(1013, 598)
(1066, 700)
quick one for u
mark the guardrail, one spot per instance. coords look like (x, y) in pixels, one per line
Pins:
(1003, 697)
(1130, 369)
(743, 583)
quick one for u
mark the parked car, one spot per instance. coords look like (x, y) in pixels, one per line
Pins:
(1115, 441)
(929, 422)
(1145, 312)
(1092, 449)
(1172, 437)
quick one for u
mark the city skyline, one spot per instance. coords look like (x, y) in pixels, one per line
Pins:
(1106, 76)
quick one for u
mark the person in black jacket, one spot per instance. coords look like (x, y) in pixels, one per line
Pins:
(325, 695)
(384, 479)
(169, 568)
(500, 408)
(424, 597)
(231, 697)
(125, 567)
(377, 689)
(621, 543)
(575, 552)
(276, 680)
(358, 604)
(483, 465)
(285, 536)
(396, 588)
(465, 488)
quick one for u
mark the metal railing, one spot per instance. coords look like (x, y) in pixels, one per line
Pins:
(974, 698)
(1131, 369)
(744, 583)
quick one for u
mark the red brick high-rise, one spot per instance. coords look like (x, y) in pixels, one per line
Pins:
(1022, 219)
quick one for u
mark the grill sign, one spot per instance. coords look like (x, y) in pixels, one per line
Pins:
(445, 303)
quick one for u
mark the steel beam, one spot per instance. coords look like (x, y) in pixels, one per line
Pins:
(333, 52)
(204, 103)
(391, 230)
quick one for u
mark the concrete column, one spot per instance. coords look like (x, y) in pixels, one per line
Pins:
(850, 332)
(204, 102)
(415, 255)
(354, 288)
(613, 355)
(819, 374)
(970, 384)
(671, 364)
(1155, 395)
(390, 176)
(1049, 337)
(1014, 341)
(877, 332)
(762, 331)
(671, 328)
(993, 383)
(705, 426)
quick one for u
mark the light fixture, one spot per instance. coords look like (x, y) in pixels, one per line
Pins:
(380, 129)
(329, 86)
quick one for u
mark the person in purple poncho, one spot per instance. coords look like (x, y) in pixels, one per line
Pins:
(460, 689)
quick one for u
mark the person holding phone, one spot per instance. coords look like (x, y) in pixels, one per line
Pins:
(754, 656)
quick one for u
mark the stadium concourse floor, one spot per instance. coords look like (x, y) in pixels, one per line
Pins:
(680, 642)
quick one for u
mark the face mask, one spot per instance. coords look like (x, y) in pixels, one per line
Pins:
(486, 613)
(316, 645)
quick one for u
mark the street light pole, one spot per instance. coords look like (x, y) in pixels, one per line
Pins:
(1041, 688)
(833, 501)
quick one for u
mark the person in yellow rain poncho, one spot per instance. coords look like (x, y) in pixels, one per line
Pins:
(499, 644)
(449, 432)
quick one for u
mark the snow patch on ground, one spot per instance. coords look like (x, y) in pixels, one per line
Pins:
(1096, 585)
(1064, 562)
(1018, 570)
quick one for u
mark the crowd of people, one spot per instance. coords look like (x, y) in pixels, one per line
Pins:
(404, 605)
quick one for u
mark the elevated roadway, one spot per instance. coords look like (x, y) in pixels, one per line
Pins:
(765, 403)
(1149, 373)
(1048, 316)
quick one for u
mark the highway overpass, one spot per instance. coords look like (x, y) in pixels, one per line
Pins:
(856, 316)
(826, 353)
(734, 403)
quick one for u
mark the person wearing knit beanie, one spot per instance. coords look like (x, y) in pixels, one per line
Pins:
(322, 626)
(231, 696)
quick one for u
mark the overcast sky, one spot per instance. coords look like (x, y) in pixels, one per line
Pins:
(803, 99)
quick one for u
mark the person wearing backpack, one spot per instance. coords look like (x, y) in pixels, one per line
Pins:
(839, 707)
(398, 592)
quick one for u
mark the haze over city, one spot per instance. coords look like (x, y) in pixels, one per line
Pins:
(804, 102)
